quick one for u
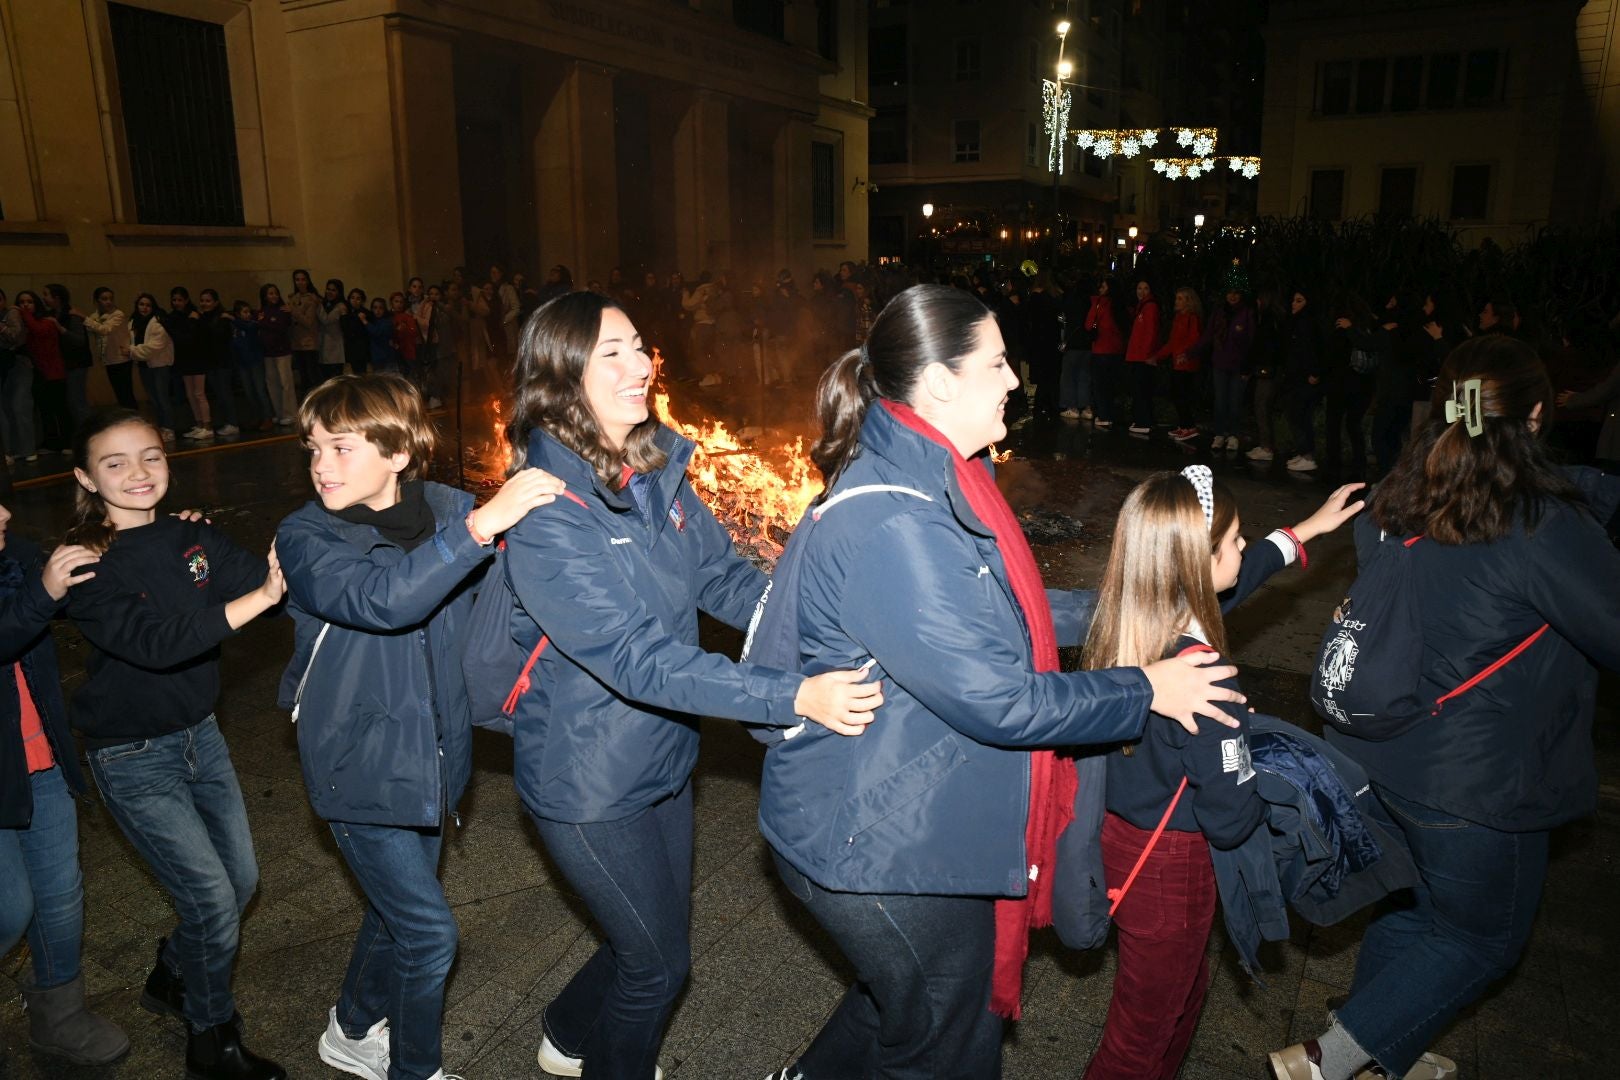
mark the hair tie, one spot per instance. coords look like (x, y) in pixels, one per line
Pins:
(865, 359)
(1203, 482)
(1466, 405)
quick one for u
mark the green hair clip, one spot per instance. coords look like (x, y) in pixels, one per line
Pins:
(1466, 405)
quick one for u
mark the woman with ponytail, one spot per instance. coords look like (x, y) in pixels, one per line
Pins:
(925, 848)
(165, 593)
(614, 576)
(1515, 579)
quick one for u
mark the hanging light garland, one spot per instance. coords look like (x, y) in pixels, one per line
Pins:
(1106, 142)
(1248, 166)
(1200, 140)
(1175, 168)
(1056, 111)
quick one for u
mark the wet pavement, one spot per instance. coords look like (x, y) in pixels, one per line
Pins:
(763, 977)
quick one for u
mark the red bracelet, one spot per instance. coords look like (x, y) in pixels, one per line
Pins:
(1299, 547)
(481, 542)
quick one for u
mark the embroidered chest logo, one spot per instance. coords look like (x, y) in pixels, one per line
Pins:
(197, 563)
(677, 515)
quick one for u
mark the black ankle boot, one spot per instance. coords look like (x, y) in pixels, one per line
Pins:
(165, 992)
(218, 1054)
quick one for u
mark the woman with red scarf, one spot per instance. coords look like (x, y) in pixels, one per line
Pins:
(926, 851)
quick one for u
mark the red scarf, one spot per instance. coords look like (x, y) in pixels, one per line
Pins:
(1052, 780)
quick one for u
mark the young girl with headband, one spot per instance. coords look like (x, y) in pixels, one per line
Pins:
(1176, 566)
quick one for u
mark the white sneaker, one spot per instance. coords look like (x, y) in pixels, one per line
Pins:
(557, 1063)
(1231, 442)
(228, 430)
(366, 1056)
(1217, 442)
(1070, 414)
(198, 434)
(442, 1075)
(1140, 429)
(785, 1075)
(1428, 1067)
(1260, 453)
(1086, 413)
(1302, 463)
(284, 421)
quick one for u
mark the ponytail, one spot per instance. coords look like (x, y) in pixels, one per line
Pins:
(846, 390)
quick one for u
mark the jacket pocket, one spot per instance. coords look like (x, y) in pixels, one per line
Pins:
(357, 750)
(905, 785)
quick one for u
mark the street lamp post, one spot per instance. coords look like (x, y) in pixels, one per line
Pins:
(1064, 70)
(1131, 232)
(928, 213)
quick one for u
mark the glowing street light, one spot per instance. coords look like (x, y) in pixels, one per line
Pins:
(1065, 69)
(928, 209)
(1131, 232)
(1063, 28)
(1198, 221)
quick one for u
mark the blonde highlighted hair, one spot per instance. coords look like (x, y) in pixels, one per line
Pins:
(382, 408)
(1159, 579)
(1194, 304)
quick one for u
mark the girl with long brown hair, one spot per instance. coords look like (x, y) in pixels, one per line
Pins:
(1514, 579)
(1177, 563)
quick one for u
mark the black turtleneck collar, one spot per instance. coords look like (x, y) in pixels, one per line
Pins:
(408, 523)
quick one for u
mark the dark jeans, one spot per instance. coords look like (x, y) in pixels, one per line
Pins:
(1141, 376)
(78, 386)
(55, 421)
(1185, 386)
(219, 394)
(1228, 402)
(1265, 413)
(1074, 380)
(41, 890)
(1105, 379)
(1392, 421)
(1435, 950)
(635, 876)
(920, 1005)
(159, 382)
(1163, 970)
(1346, 408)
(177, 799)
(122, 379)
(405, 947)
(306, 366)
(251, 375)
(1302, 403)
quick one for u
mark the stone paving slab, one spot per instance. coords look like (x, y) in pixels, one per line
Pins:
(764, 976)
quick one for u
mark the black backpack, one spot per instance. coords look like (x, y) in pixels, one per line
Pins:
(1377, 634)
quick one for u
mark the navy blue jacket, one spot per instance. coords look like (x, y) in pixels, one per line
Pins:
(933, 798)
(609, 727)
(1515, 752)
(384, 730)
(1330, 848)
(26, 610)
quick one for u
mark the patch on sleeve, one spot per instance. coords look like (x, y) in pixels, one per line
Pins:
(1235, 759)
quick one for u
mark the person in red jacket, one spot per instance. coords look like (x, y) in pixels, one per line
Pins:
(1186, 328)
(407, 334)
(1107, 349)
(44, 347)
(1140, 361)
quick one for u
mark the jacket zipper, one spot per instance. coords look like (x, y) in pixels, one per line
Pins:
(433, 694)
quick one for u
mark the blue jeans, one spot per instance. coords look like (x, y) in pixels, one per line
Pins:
(159, 383)
(1228, 402)
(405, 947)
(635, 875)
(41, 891)
(251, 374)
(1074, 380)
(1429, 955)
(177, 800)
(920, 1005)
(17, 407)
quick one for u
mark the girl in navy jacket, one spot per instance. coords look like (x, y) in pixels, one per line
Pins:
(1511, 552)
(377, 571)
(1176, 566)
(606, 742)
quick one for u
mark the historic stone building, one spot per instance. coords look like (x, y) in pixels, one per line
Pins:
(145, 143)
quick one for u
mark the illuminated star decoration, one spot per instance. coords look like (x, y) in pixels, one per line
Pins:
(1056, 111)
(1248, 166)
(1176, 168)
(1106, 142)
(1201, 141)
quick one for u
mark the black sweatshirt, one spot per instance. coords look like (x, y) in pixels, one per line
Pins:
(155, 614)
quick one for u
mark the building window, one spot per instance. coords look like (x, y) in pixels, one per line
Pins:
(1470, 192)
(1327, 194)
(1093, 166)
(827, 29)
(1032, 144)
(1370, 85)
(823, 190)
(1397, 192)
(175, 89)
(887, 137)
(964, 141)
(1092, 75)
(1480, 83)
(1406, 84)
(969, 59)
(1335, 88)
(760, 16)
(1444, 69)
(888, 55)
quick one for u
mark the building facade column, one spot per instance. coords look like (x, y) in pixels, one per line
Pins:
(790, 232)
(701, 179)
(575, 170)
(421, 75)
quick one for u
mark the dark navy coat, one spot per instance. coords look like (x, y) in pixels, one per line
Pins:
(1515, 752)
(610, 726)
(384, 730)
(26, 610)
(933, 798)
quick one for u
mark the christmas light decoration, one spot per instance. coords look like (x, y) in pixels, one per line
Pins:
(1201, 141)
(1248, 166)
(1190, 168)
(1106, 142)
(1055, 108)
